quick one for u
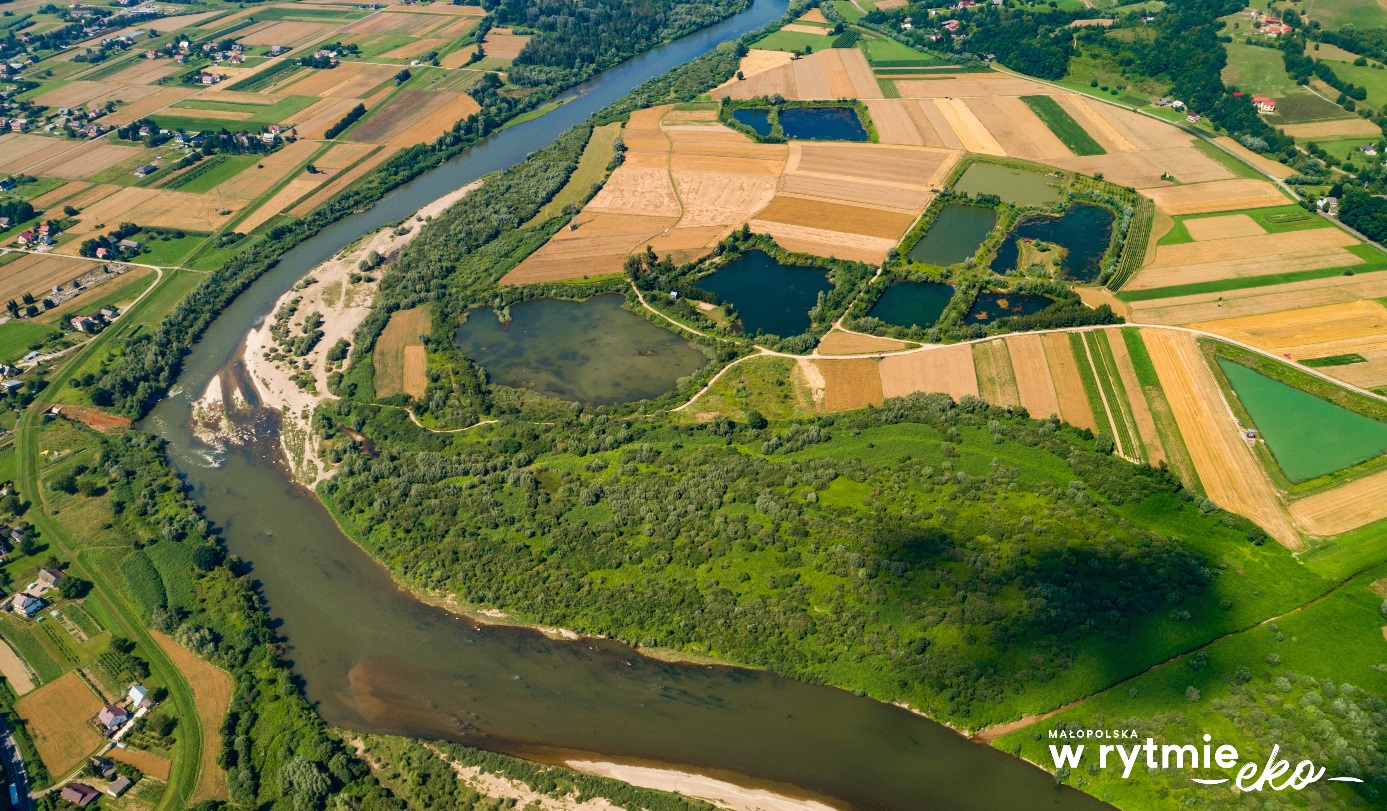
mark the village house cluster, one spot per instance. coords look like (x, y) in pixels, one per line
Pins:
(113, 721)
(1267, 24)
(30, 601)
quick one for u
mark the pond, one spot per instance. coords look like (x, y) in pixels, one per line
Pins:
(1084, 231)
(912, 304)
(989, 307)
(1308, 436)
(955, 235)
(822, 124)
(593, 352)
(1012, 185)
(769, 297)
(758, 118)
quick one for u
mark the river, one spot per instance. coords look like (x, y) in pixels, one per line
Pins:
(375, 659)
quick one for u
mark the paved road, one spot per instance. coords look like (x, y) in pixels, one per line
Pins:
(14, 768)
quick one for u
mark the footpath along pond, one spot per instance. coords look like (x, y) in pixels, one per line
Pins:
(374, 658)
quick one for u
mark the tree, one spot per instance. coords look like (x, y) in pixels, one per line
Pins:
(73, 588)
(13, 307)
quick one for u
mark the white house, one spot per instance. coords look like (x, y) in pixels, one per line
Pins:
(138, 695)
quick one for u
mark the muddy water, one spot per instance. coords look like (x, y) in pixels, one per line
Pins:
(373, 658)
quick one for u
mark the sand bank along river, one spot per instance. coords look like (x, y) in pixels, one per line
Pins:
(374, 658)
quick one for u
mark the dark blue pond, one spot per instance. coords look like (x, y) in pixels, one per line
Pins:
(1083, 230)
(758, 118)
(822, 124)
(912, 304)
(769, 297)
(989, 307)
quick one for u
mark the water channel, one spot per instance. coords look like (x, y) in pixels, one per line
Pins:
(373, 658)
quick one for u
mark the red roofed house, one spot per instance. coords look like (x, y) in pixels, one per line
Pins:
(112, 716)
(80, 793)
(1264, 105)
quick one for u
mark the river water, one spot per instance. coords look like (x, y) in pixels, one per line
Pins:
(375, 659)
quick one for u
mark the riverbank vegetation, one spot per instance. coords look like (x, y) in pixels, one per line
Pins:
(944, 555)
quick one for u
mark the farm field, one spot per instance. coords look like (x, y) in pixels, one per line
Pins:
(212, 694)
(399, 354)
(57, 717)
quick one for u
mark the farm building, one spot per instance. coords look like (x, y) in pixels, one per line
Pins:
(1264, 105)
(79, 793)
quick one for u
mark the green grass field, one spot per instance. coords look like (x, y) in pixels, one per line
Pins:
(1333, 14)
(890, 53)
(17, 336)
(259, 114)
(848, 11)
(1063, 125)
(1275, 220)
(1301, 106)
(169, 252)
(1254, 69)
(1225, 285)
(220, 172)
(794, 41)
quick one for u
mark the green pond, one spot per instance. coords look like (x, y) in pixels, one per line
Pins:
(593, 352)
(1012, 185)
(955, 235)
(1308, 436)
(912, 304)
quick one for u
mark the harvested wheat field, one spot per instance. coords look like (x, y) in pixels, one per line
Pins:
(1017, 129)
(850, 384)
(1344, 508)
(500, 43)
(87, 160)
(1034, 387)
(349, 80)
(145, 71)
(1225, 226)
(290, 34)
(152, 103)
(838, 342)
(1136, 398)
(39, 273)
(1087, 113)
(598, 246)
(965, 85)
(212, 696)
(155, 766)
(1064, 376)
(20, 151)
(1232, 476)
(1330, 129)
(14, 671)
(1258, 300)
(1242, 257)
(414, 116)
(970, 131)
(996, 379)
(391, 355)
(946, 369)
(158, 207)
(1143, 170)
(872, 222)
(1222, 195)
(1280, 171)
(1311, 332)
(342, 180)
(813, 15)
(831, 73)
(58, 718)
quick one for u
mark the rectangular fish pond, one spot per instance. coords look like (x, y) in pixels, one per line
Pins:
(912, 304)
(593, 352)
(822, 124)
(768, 297)
(991, 306)
(1084, 231)
(1016, 186)
(955, 235)
(1308, 437)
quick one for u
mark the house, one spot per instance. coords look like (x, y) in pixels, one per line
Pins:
(79, 793)
(130, 244)
(7, 370)
(102, 253)
(108, 313)
(26, 604)
(4, 223)
(1368, 149)
(84, 323)
(146, 170)
(26, 236)
(138, 695)
(951, 25)
(118, 786)
(1192, 117)
(112, 717)
(1264, 105)
(102, 767)
(11, 385)
(50, 578)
